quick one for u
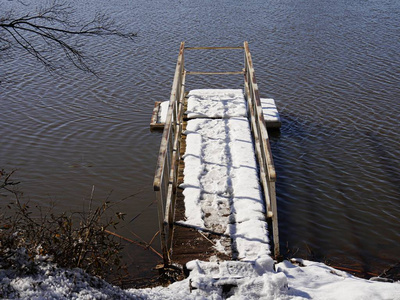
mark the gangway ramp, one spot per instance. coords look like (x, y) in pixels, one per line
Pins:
(215, 176)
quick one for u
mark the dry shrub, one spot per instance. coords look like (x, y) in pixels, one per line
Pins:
(71, 240)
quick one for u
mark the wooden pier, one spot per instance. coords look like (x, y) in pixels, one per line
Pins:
(181, 242)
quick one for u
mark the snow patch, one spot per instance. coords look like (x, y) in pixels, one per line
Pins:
(270, 111)
(216, 103)
(163, 111)
(319, 281)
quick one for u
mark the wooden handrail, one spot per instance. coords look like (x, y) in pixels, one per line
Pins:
(165, 179)
(213, 48)
(168, 122)
(251, 80)
(262, 145)
(213, 73)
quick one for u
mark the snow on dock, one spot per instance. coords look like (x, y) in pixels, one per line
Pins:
(229, 103)
(216, 103)
(221, 184)
(270, 112)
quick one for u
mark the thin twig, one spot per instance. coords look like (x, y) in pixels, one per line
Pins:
(139, 214)
(154, 236)
(91, 199)
(133, 242)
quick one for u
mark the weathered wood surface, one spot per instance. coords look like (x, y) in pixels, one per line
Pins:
(214, 73)
(164, 183)
(262, 145)
(213, 48)
(154, 122)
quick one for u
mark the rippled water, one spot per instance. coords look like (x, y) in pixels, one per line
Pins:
(332, 67)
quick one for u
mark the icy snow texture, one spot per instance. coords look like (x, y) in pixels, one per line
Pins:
(199, 109)
(221, 184)
(236, 280)
(319, 281)
(163, 111)
(207, 280)
(50, 282)
(216, 103)
(269, 110)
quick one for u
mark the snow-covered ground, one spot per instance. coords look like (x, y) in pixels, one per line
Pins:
(208, 280)
(222, 194)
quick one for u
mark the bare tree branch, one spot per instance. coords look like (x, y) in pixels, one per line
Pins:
(50, 29)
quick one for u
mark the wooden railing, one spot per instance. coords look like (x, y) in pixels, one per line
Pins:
(262, 146)
(165, 180)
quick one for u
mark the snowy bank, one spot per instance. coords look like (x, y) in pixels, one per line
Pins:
(207, 280)
(257, 280)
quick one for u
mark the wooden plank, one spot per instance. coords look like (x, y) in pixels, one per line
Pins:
(157, 127)
(154, 124)
(156, 110)
(273, 124)
(173, 177)
(214, 73)
(275, 229)
(213, 48)
(258, 151)
(161, 183)
(262, 131)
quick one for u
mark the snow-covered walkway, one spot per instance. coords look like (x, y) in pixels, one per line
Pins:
(221, 184)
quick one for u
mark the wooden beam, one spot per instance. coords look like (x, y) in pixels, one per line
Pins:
(154, 124)
(213, 73)
(213, 48)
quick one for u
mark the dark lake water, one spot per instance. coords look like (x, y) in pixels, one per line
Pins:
(332, 67)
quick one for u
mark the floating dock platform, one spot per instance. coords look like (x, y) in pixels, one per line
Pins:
(271, 114)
